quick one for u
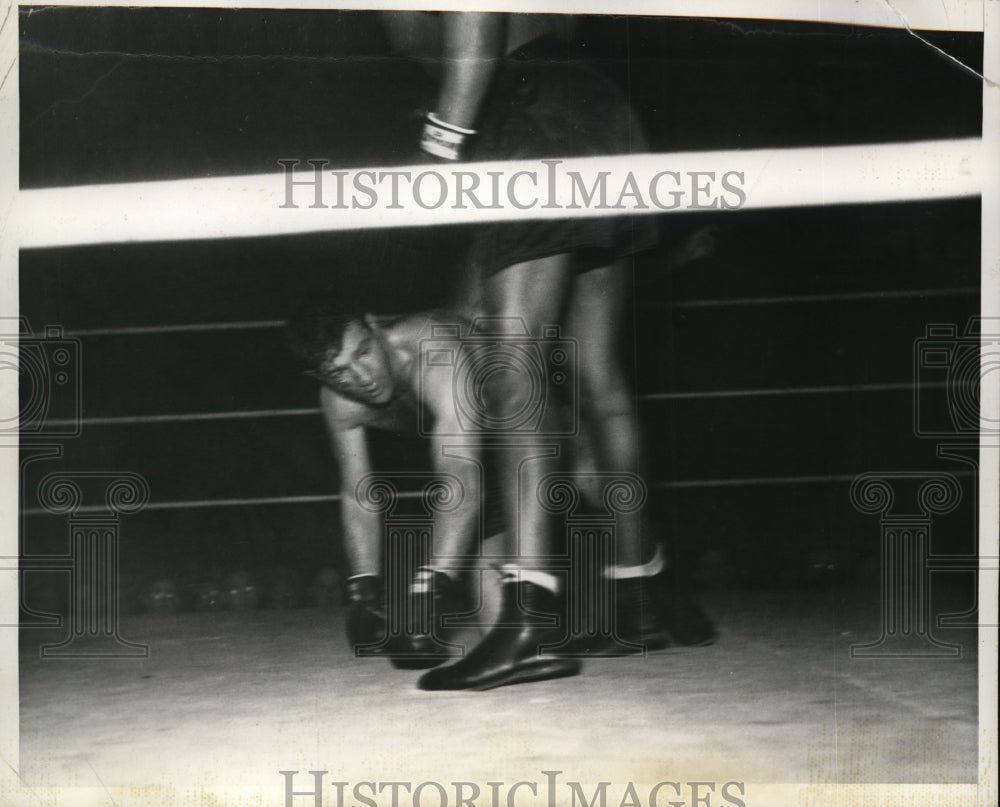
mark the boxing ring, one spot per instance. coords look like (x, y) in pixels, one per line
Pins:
(280, 204)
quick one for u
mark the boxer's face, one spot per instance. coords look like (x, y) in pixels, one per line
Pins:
(361, 370)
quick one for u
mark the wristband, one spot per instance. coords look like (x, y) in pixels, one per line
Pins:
(443, 140)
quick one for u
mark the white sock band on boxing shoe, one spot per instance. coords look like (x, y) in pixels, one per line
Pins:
(423, 580)
(650, 569)
(543, 579)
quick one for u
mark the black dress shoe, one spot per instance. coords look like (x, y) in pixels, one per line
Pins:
(510, 652)
(420, 648)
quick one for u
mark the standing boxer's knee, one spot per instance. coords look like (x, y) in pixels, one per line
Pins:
(605, 390)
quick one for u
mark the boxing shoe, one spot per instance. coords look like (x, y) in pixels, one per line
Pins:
(632, 627)
(511, 652)
(366, 619)
(660, 611)
(434, 596)
(650, 613)
(637, 617)
(684, 619)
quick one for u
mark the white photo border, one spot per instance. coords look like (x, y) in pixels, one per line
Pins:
(956, 15)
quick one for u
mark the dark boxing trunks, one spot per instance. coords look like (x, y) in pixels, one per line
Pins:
(544, 104)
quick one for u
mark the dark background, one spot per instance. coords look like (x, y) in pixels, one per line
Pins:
(752, 487)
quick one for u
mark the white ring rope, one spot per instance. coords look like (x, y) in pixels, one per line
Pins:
(399, 196)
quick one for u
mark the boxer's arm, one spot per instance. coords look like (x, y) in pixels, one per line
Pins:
(456, 531)
(361, 527)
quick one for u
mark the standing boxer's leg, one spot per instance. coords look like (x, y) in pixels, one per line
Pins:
(652, 603)
(534, 293)
(599, 311)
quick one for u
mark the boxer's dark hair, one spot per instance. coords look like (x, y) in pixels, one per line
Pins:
(318, 326)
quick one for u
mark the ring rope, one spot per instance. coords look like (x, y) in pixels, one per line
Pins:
(327, 498)
(276, 204)
(722, 302)
(129, 420)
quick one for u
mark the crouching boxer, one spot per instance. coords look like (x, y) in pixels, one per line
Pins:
(374, 374)
(371, 377)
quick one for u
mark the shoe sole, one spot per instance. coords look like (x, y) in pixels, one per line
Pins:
(419, 662)
(599, 650)
(538, 670)
(702, 642)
